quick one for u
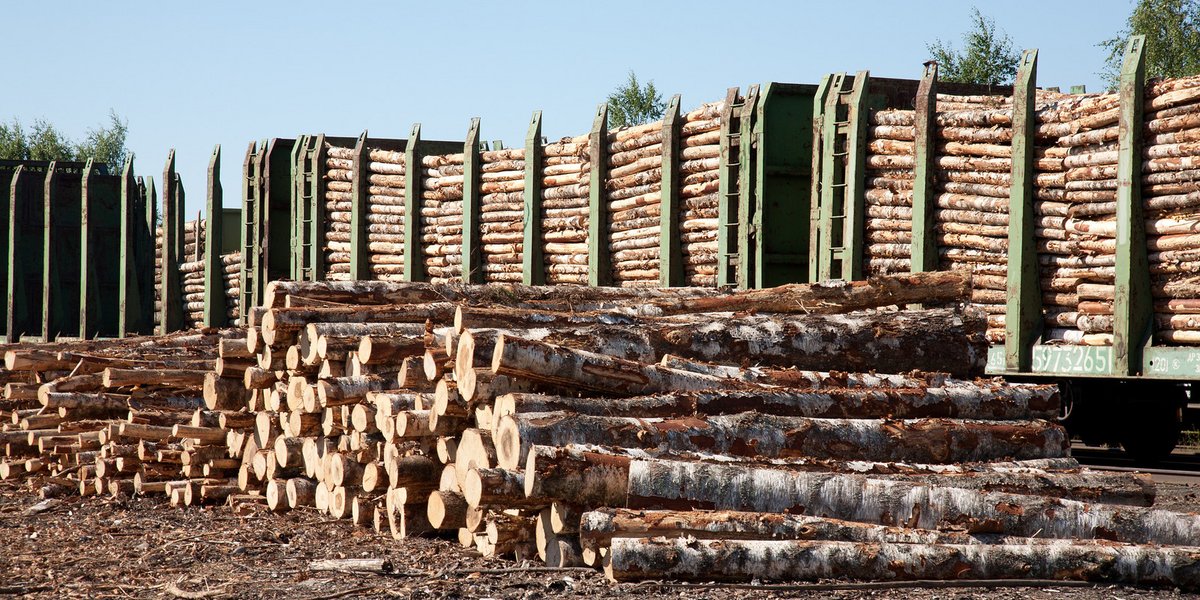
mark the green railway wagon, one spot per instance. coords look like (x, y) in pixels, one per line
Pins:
(1131, 391)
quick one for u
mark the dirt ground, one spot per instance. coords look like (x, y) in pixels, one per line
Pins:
(142, 547)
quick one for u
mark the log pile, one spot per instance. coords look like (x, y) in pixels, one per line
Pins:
(699, 172)
(574, 424)
(502, 214)
(1075, 188)
(1172, 206)
(385, 214)
(972, 161)
(191, 273)
(339, 176)
(442, 216)
(633, 195)
(565, 176)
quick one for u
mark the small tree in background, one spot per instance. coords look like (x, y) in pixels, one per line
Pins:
(1172, 39)
(43, 141)
(634, 104)
(987, 56)
(106, 144)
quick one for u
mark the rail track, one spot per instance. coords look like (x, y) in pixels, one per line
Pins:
(1183, 466)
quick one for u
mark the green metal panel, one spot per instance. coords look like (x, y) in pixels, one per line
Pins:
(278, 197)
(727, 194)
(747, 238)
(61, 253)
(360, 194)
(924, 202)
(144, 257)
(832, 175)
(599, 265)
(783, 138)
(1133, 309)
(6, 175)
(1023, 313)
(129, 306)
(251, 229)
(815, 240)
(670, 251)
(414, 263)
(316, 231)
(533, 266)
(171, 309)
(25, 248)
(1061, 361)
(100, 258)
(472, 252)
(215, 309)
(299, 211)
(856, 193)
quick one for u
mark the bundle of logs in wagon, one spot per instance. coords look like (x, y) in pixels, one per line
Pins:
(687, 433)
(1075, 202)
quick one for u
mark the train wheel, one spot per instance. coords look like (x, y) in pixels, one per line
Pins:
(1152, 425)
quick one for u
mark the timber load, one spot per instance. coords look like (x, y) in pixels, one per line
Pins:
(684, 433)
(192, 277)
(1075, 188)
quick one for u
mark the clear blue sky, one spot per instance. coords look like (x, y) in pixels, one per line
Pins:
(191, 75)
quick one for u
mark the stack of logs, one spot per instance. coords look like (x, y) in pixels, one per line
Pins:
(502, 214)
(339, 175)
(699, 203)
(191, 276)
(565, 176)
(442, 183)
(191, 273)
(1075, 204)
(633, 190)
(1171, 193)
(573, 424)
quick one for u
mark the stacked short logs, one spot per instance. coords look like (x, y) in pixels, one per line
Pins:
(191, 273)
(566, 172)
(699, 204)
(339, 175)
(442, 183)
(502, 214)
(1075, 202)
(633, 194)
(385, 214)
(231, 265)
(972, 163)
(1075, 188)
(887, 247)
(633, 191)
(1172, 206)
(115, 417)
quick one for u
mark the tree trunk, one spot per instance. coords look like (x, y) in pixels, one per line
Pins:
(793, 560)
(597, 528)
(755, 434)
(558, 365)
(279, 325)
(833, 297)
(966, 401)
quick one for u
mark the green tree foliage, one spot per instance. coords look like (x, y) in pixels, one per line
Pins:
(47, 143)
(43, 141)
(634, 104)
(106, 144)
(1172, 39)
(13, 145)
(987, 56)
